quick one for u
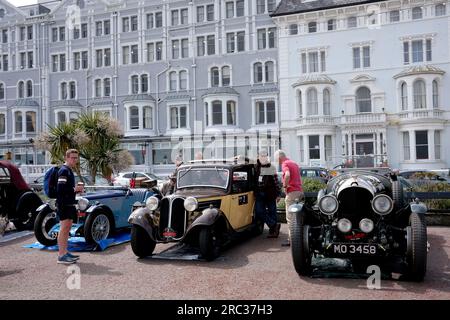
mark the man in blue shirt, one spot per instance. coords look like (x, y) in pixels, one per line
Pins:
(65, 201)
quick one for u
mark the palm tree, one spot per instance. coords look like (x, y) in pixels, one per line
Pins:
(57, 141)
(100, 152)
(96, 137)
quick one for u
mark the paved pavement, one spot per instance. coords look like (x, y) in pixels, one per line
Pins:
(256, 269)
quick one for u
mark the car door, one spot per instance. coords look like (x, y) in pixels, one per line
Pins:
(242, 199)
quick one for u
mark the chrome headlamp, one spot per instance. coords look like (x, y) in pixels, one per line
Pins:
(344, 225)
(190, 204)
(152, 203)
(382, 204)
(83, 204)
(366, 225)
(328, 205)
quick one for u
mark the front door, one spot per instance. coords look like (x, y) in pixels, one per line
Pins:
(365, 158)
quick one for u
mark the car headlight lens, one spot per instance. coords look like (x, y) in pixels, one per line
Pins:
(152, 203)
(366, 225)
(382, 204)
(328, 204)
(83, 204)
(344, 225)
(190, 204)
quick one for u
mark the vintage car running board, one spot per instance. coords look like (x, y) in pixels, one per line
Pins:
(179, 251)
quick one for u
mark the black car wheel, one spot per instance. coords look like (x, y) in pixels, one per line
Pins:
(300, 245)
(44, 222)
(397, 194)
(26, 212)
(209, 243)
(416, 254)
(141, 243)
(97, 227)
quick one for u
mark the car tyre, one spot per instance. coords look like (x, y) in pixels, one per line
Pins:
(397, 194)
(209, 243)
(97, 227)
(416, 254)
(141, 243)
(258, 228)
(300, 245)
(44, 222)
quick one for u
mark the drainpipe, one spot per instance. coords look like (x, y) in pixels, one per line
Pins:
(157, 97)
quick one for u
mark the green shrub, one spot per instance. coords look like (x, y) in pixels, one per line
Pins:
(312, 185)
(434, 187)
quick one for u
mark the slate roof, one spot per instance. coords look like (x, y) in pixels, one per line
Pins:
(139, 97)
(25, 103)
(220, 90)
(101, 102)
(423, 69)
(287, 7)
(66, 103)
(313, 78)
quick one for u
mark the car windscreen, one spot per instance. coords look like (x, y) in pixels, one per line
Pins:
(203, 177)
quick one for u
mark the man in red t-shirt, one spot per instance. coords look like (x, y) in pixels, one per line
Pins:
(292, 183)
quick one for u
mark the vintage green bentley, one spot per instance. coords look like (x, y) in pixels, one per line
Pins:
(365, 217)
(213, 204)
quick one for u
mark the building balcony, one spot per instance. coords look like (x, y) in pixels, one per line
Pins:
(421, 114)
(316, 120)
(363, 118)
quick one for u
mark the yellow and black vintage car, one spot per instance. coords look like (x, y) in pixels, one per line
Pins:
(213, 204)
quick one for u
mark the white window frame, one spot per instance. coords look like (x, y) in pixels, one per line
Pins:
(264, 74)
(178, 106)
(427, 48)
(177, 79)
(306, 63)
(220, 71)
(264, 100)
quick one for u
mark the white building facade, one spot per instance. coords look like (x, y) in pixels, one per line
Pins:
(365, 83)
(180, 76)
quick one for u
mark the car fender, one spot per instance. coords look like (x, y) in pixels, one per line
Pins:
(143, 217)
(209, 217)
(44, 208)
(419, 208)
(296, 208)
(28, 199)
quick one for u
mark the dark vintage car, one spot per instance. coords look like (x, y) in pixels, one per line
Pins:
(18, 202)
(365, 217)
(213, 204)
(100, 214)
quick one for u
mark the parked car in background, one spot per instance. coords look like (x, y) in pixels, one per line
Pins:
(419, 177)
(123, 178)
(38, 184)
(18, 202)
(100, 214)
(318, 173)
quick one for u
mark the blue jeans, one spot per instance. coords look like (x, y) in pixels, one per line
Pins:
(266, 210)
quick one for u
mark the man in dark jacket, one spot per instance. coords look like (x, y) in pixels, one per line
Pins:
(65, 201)
(267, 191)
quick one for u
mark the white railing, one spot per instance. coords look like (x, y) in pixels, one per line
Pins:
(317, 120)
(32, 172)
(363, 118)
(421, 114)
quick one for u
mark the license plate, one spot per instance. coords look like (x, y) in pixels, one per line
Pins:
(354, 249)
